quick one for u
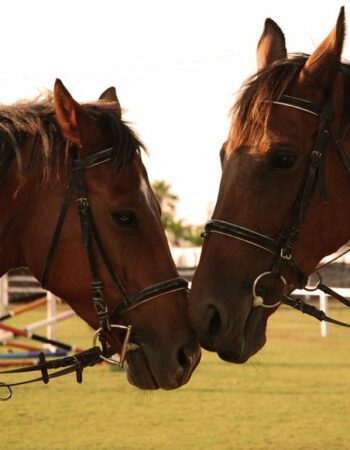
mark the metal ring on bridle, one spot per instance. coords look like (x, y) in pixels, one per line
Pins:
(258, 300)
(315, 287)
(9, 393)
(121, 360)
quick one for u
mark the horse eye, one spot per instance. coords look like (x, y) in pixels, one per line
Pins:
(125, 218)
(283, 160)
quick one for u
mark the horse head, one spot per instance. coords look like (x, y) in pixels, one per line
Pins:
(82, 216)
(283, 198)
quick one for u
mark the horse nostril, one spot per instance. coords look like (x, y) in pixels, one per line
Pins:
(186, 357)
(215, 320)
(182, 358)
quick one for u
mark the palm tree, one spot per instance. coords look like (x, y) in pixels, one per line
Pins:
(177, 230)
(166, 198)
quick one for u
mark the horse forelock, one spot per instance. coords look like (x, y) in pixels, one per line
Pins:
(35, 121)
(250, 113)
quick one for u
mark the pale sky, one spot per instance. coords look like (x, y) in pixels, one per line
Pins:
(176, 66)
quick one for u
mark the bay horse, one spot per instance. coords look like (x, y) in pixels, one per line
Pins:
(77, 209)
(283, 202)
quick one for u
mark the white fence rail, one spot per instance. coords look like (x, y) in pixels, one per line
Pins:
(6, 289)
(187, 257)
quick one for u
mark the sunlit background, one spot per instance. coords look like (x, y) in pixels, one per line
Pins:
(176, 66)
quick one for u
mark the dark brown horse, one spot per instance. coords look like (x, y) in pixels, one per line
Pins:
(284, 196)
(53, 146)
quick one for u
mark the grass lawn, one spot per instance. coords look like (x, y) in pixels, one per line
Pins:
(295, 394)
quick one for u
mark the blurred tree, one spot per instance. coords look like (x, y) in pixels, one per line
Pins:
(193, 234)
(166, 198)
(178, 232)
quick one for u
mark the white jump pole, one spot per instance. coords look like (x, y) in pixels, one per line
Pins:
(5, 336)
(323, 307)
(51, 307)
(45, 322)
(2, 309)
(4, 295)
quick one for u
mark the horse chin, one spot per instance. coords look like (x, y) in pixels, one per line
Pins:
(147, 372)
(233, 357)
(244, 354)
(139, 373)
(252, 340)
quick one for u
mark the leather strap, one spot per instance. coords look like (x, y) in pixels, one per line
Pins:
(311, 310)
(327, 290)
(57, 232)
(149, 293)
(299, 103)
(242, 234)
(75, 363)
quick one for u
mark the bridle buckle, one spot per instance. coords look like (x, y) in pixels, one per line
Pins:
(83, 204)
(315, 154)
(286, 254)
(116, 362)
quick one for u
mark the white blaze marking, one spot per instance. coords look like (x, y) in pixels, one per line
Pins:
(145, 189)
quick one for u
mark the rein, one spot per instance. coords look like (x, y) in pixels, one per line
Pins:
(68, 364)
(91, 241)
(282, 246)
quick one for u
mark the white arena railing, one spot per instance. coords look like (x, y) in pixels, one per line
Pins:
(184, 258)
(7, 288)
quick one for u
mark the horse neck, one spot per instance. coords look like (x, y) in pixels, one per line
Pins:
(24, 202)
(339, 176)
(9, 249)
(338, 181)
(335, 231)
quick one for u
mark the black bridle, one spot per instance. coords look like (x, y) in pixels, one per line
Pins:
(91, 240)
(282, 246)
(91, 236)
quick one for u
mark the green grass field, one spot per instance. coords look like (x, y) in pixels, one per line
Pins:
(295, 394)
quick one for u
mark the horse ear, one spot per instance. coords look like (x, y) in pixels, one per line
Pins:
(71, 117)
(271, 45)
(110, 96)
(321, 67)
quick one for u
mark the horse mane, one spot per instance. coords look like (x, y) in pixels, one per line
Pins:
(252, 108)
(36, 120)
